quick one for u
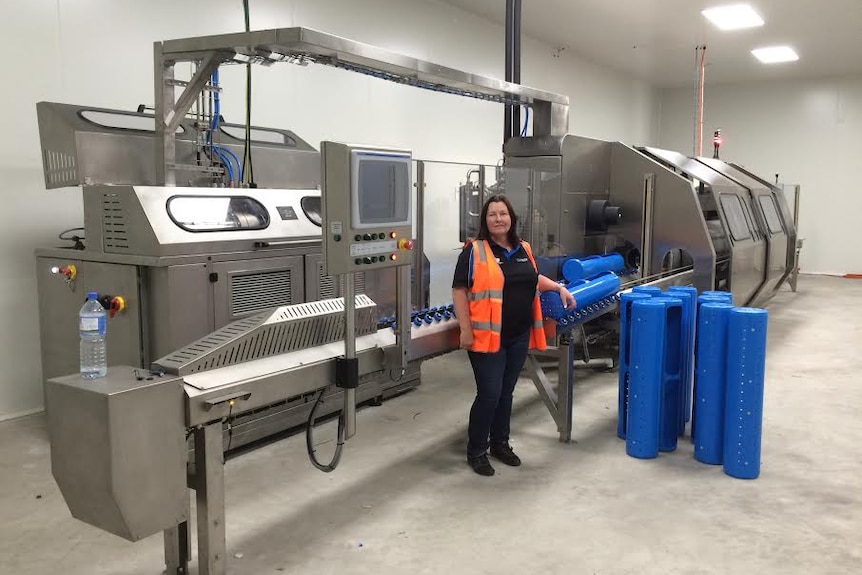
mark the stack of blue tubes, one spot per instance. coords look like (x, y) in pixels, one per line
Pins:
(728, 400)
(685, 357)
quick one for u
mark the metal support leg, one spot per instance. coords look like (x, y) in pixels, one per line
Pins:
(177, 550)
(209, 492)
(543, 386)
(565, 390)
(559, 402)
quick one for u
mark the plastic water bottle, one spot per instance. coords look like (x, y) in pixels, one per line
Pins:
(92, 325)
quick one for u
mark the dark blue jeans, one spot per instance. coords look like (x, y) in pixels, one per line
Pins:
(496, 375)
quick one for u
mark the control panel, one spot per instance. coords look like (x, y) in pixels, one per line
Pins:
(367, 208)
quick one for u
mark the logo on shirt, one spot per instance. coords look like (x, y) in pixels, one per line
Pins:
(521, 260)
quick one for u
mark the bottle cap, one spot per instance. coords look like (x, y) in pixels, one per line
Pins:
(92, 295)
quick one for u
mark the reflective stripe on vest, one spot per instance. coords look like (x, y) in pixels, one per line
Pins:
(485, 301)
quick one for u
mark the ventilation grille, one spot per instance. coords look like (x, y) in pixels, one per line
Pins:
(286, 329)
(250, 292)
(327, 284)
(115, 233)
(60, 169)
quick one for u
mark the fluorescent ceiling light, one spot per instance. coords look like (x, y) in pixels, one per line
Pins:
(775, 54)
(733, 17)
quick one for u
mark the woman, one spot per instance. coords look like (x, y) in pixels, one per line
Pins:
(498, 310)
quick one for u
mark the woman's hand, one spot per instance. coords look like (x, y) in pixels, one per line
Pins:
(568, 298)
(466, 338)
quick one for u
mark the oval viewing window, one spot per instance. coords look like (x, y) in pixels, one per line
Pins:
(311, 209)
(217, 213)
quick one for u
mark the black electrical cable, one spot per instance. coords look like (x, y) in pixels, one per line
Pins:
(71, 238)
(250, 171)
(79, 240)
(247, 165)
(309, 438)
(229, 426)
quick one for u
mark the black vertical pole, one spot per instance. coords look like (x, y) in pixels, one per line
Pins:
(510, 25)
(516, 64)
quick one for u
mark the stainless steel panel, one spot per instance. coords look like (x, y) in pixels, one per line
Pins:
(59, 305)
(136, 221)
(248, 286)
(118, 450)
(428, 341)
(677, 221)
(85, 146)
(178, 307)
(788, 217)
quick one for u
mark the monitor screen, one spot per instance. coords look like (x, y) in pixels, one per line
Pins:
(382, 190)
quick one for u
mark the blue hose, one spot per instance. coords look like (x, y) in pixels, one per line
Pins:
(224, 154)
(230, 153)
(224, 160)
(526, 122)
(216, 101)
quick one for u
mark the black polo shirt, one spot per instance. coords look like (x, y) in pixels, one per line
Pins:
(519, 287)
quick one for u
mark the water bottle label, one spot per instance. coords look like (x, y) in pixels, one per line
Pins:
(93, 325)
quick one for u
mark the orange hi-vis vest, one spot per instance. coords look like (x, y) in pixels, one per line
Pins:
(485, 300)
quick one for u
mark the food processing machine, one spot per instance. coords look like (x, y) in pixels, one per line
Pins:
(241, 311)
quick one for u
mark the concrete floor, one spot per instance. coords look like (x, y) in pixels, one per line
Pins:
(403, 499)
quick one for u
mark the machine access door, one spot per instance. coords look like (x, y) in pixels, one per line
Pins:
(748, 246)
(769, 222)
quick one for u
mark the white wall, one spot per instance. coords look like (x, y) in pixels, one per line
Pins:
(99, 52)
(807, 132)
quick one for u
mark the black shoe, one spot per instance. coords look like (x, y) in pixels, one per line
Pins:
(481, 465)
(504, 453)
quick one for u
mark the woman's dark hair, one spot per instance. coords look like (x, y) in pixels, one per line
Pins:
(485, 233)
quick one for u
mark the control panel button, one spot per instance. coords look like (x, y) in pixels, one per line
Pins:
(337, 237)
(367, 260)
(367, 237)
(358, 261)
(357, 238)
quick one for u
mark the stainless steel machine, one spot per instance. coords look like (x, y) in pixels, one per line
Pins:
(238, 311)
(674, 219)
(185, 260)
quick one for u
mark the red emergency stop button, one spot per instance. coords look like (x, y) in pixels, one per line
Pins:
(405, 244)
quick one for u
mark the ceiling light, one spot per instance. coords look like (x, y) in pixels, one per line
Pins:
(775, 54)
(733, 17)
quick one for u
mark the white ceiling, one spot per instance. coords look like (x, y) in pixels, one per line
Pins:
(655, 40)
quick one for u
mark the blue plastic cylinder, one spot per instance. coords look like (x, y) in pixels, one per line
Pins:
(651, 290)
(718, 293)
(626, 301)
(688, 294)
(644, 401)
(672, 374)
(707, 426)
(585, 268)
(746, 369)
(588, 292)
